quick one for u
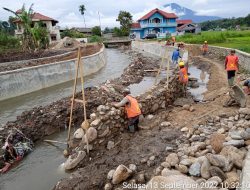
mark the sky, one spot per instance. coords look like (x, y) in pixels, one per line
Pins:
(67, 11)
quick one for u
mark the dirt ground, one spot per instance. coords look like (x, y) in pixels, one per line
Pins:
(46, 55)
(133, 148)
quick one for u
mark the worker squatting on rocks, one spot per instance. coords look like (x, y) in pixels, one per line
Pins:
(204, 48)
(132, 110)
(231, 66)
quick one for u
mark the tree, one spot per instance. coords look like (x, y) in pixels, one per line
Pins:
(125, 19)
(106, 30)
(82, 10)
(96, 31)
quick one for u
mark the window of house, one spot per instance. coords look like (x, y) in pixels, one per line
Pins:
(53, 37)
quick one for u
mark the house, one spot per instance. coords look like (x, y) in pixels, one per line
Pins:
(84, 30)
(155, 22)
(49, 23)
(187, 26)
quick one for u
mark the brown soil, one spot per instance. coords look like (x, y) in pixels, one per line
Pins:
(48, 57)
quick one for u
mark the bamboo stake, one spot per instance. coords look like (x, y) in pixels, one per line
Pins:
(159, 71)
(83, 96)
(168, 72)
(72, 101)
(52, 141)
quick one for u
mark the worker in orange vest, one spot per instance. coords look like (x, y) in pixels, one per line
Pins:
(132, 110)
(231, 66)
(183, 74)
(173, 40)
(204, 48)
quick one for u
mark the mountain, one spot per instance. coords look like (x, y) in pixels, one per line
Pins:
(185, 13)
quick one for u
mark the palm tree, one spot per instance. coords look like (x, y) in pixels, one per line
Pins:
(82, 10)
(26, 18)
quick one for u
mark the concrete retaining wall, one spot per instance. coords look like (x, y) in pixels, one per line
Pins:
(22, 81)
(221, 53)
(157, 49)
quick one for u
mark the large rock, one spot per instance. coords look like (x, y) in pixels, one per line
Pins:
(174, 182)
(91, 134)
(172, 159)
(186, 162)
(110, 174)
(220, 161)
(79, 133)
(121, 174)
(74, 160)
(95, 123)
(167, 172)
(234, 154)
(216, 141)
(232, 180)
(205, 168)
(236, 143)
(214, 181)
(215, 171)
(195, 169)
(245, 111)
(245, 135)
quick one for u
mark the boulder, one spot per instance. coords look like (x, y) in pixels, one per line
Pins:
(236, 135)
(236, 143)
(245, 111)
(132, 167)
(165, 124)
(121, 174)
(205, 168)
(245, 135)
(95, 123)
(74, 160)
(165, 165)
(220, 161)
(195, 169)
(110, 174)
(167, 172)
(184, 129)
(216, 141)
(234, 154)
(79, 133)
(186, 162)
(215, 171)
(214, 181)
(91, 134)
(183, 169)
(108, 186)
(172, 159)
(110, 145)
(174, 182)
(232, 180)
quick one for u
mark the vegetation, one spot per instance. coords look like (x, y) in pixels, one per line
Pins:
(94, 38)
(72, 34)
(125, 19)
(230, 23)
(96, 31)
(82, 10)
(233, 39)
(33, 37)
(8, 42)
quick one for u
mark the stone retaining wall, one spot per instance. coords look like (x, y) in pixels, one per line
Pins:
(220, 53)
(22, 81)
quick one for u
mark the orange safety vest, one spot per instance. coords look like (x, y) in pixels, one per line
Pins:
(205, 47)
(231, 63)
(133, 108)
(183, 75)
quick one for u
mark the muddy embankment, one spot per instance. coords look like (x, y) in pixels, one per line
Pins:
(11, 62)
(42, 121)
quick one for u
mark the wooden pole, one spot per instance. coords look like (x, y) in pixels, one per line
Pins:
(83, 98)
(52, 141)
(73, 98)
(168, 72)
(159, 71)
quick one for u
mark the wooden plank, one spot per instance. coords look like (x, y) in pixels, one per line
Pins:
(78, 100)
(52, 141)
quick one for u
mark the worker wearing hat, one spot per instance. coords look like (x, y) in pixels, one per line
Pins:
(231, 66)
(183, 74)
(204, 48)
(132, 110)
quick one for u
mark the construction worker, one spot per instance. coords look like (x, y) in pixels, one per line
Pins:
(175, 56)
(247, 86)
(132, 110)
(231, 66)
(204, 48)
(183, 74)
(173, 40)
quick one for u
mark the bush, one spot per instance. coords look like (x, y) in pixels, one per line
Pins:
(8, 42)
(96, 31)
(72, 34)
(94, 38)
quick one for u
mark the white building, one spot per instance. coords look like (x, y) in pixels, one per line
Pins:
(49, 23)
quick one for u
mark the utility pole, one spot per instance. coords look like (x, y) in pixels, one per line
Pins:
(100, 22)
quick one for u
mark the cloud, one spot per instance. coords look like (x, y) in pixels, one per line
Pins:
(200, 2)
(207, 12)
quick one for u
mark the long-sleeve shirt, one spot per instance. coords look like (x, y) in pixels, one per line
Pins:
(176, 55)
(123, 102)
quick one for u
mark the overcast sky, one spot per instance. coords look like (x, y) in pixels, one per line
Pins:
(67, 13)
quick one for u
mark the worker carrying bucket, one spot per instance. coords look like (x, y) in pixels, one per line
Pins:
(132, 110)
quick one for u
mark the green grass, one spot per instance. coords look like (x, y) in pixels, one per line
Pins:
(232, 39)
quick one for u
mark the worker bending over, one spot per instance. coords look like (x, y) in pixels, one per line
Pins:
(132, 110)
(183, 75)
(175, 56)
(204, 48)
(231, 66)
(247, 86)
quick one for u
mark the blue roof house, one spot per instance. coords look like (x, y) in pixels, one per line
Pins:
(156, 22)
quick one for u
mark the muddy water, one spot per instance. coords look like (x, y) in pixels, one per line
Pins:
(41, 169)
(203, 78)
(9, 109)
